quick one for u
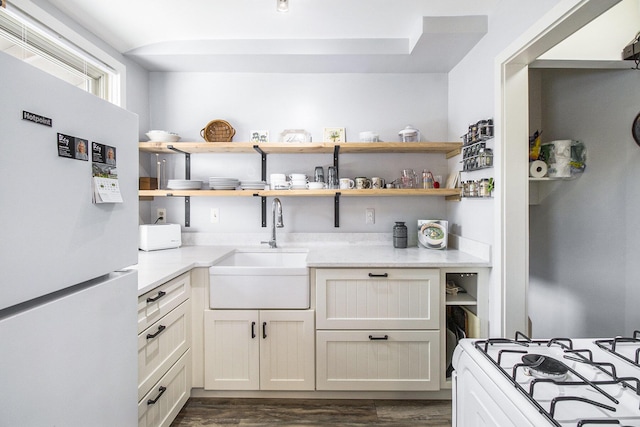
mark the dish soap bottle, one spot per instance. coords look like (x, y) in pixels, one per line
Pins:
(399, 235)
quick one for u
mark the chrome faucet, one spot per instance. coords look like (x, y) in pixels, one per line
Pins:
(276, 211)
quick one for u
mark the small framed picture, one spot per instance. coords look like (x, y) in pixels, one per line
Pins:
(334, 135)
(259, 136)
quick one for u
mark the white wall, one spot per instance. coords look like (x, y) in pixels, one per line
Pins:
(384, 103)
(472, 98)
(584, 235)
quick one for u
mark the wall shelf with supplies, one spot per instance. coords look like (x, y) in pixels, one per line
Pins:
(449, 149)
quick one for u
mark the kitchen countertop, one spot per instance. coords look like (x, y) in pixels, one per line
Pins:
(157, 267)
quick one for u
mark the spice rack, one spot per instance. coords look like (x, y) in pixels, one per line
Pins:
(476, 155)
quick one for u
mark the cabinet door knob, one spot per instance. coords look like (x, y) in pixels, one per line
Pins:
(384, 338)
(378, 275)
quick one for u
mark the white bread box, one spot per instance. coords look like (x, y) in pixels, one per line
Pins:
(159, 236)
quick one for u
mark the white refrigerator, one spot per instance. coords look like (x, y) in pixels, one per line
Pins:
(68, 314)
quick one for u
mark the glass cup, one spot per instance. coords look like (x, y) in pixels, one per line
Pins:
(332, 177)
(318, 175)
(408, 178)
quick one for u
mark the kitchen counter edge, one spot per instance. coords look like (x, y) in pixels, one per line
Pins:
(157, 267)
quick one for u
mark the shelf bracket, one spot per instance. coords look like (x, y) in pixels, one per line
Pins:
(187, 175)
(187, 211)
(336, 152)
(263, 155)
(263, 203)
(336, 209)
(263, 174)
(187, 160)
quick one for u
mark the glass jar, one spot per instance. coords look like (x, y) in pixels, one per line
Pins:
(399, 235)
(488, 162)
(465, 188)
(485, 188)
(473, 188)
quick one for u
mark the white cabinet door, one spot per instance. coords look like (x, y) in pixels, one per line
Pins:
(287, 360)
(259, 350)
(231, 349)
(378, 298)
(378, 360)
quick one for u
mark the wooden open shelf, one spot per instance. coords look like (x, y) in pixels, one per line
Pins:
(447, 192)
(449, 148)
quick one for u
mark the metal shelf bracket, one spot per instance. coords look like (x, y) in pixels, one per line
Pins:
(187, 175)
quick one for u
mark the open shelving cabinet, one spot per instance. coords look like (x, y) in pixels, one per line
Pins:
(449, 149)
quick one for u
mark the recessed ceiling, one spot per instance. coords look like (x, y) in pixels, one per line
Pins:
(314, 36)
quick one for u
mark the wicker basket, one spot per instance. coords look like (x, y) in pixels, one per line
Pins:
(218, 131)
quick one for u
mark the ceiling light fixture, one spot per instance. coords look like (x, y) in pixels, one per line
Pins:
(282, 5)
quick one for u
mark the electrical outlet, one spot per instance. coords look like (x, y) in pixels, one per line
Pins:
(370, 216)
(161, 216)
(215, 215)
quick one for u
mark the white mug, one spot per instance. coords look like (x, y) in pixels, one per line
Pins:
(346, 183)
(377, 182)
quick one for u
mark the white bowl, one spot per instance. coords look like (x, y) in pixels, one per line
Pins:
(162, 136)
(433, 233)
(316, 185)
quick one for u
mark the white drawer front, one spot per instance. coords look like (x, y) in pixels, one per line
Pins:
(378, 298)
(170, 394)
(404, 361)
(161, 345)
(155, 304)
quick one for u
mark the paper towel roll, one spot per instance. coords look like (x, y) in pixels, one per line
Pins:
(537, 169)
(560, 169)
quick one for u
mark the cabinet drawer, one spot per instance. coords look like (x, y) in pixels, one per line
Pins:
(366, 360)
(155, 304)
(378, 298)
(161, 345)
(160, 406)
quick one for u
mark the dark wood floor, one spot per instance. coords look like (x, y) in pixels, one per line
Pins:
(306, 412)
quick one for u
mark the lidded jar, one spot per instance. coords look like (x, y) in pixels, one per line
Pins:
(399, 235)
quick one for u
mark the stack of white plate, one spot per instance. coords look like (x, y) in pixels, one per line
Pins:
(184, 184)
(252, 185)
(221, 183)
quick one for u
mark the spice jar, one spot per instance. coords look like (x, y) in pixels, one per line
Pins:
(399, 235)
(473, 188)
(485, 188)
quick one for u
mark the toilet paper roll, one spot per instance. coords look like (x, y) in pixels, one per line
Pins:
(537, 169)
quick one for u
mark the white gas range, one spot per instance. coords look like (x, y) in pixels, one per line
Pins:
(556, 382)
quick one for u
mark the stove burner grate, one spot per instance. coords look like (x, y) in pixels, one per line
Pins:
(612, 346)
(550, 370)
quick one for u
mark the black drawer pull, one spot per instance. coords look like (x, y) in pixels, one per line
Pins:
(264, 330)
(253, 330)
(378, 275)
(160, 295)
(160, 329)
(162, 389)
(384, 338)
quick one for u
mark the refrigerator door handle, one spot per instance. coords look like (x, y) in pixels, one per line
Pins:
(160, 329)
(154, 299)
